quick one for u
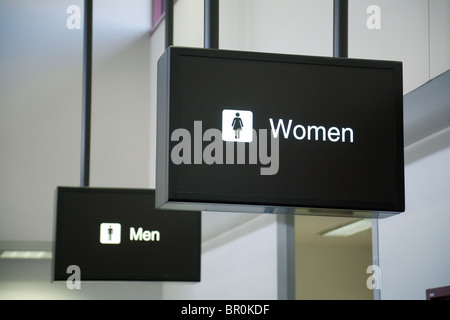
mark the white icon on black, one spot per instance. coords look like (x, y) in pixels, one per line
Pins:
(110, 233)
(237, 126)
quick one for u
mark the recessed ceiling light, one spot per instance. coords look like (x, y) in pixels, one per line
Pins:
(20, 254)
(349, 229)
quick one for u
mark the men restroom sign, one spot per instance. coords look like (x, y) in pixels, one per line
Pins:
(117, 234)
(258, 132)
(110, 233)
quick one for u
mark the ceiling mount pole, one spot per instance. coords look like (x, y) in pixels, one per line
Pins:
(169, 22)
(340, 29)
(87, 93)
(211, 24)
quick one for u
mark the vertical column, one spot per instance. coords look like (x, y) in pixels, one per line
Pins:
(375, 258)
(211, 24)
(286, 256)
(87, 90)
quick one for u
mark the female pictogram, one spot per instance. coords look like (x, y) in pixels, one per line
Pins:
(237, 126)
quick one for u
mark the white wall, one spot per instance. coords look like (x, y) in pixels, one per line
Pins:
(30, 280)
(403, 36)
(238, 264)
(439, 11)
(288, 26)
(414, 247)
(120, 96)
(412, 31)
(40, 114)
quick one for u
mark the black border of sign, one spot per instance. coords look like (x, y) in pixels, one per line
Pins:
(166, 73)
(58, 275)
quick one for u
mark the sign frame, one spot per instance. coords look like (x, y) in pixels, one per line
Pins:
(168, 75)
(85, 237)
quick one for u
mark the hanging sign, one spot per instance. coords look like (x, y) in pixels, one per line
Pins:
(259, 132)
(116, 234)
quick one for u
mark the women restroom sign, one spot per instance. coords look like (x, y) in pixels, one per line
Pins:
(233, 128)
(257, 132)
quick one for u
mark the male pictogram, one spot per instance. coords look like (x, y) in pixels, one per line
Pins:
(110, 232)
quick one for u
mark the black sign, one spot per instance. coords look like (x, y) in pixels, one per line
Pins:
(255, 132)
(116, 234)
